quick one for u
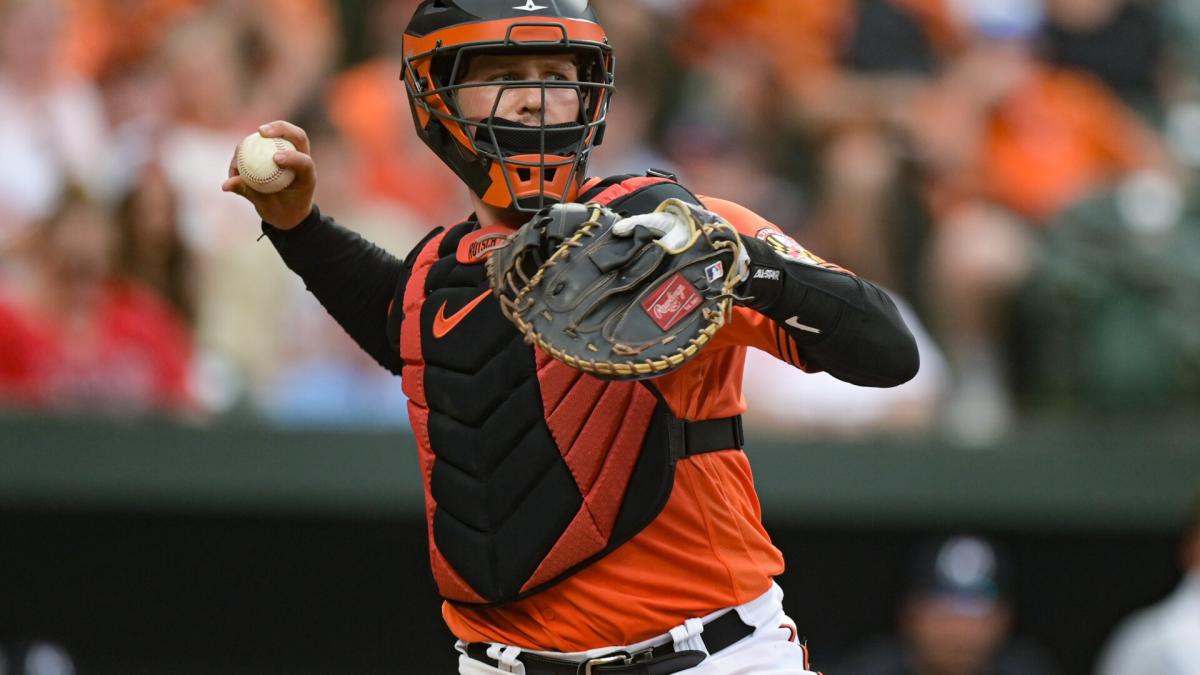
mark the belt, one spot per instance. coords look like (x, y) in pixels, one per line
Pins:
(718, 634)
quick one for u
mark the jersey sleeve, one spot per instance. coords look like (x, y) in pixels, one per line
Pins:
(813, 314)
(748, 327)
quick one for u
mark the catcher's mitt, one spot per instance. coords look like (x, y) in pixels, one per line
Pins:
(620, 307)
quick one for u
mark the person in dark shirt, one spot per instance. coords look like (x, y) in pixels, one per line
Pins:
(956, 620)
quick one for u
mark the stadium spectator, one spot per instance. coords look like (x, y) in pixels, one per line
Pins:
(809, 43)
(152, 249)
(1118, 41)
(841, 76)
(1163, 639)
(865, 127)
(715, 143)
(367, 107)
(78, 337)
(371, 112)
(631, 140)
(956, 619)
(52, 124)
(1007, 144)
(218, 86)
(105, 37)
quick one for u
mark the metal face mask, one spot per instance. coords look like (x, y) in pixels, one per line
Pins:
(509, 165)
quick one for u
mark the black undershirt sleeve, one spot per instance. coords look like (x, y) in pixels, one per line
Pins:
(841, 324)
(352, 278)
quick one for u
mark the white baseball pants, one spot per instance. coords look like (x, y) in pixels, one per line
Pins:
(771, 650)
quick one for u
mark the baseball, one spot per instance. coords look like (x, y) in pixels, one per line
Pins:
(257, 167)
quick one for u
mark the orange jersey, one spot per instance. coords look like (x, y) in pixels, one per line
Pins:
(706, 550)
(1052, 140)
(1057, 139)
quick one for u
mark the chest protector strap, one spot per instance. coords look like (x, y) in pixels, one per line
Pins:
(532, 470)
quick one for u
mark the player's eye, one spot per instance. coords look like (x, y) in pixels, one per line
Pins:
(503, 77)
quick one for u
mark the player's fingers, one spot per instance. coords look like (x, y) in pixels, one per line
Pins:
(284, 129)
(660, 223)
(234, 184)
(233, 170)
(298, 162)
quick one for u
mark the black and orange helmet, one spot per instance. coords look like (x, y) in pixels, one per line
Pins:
(507, 164)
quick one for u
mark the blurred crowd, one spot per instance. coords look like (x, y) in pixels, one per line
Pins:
(1020, 174)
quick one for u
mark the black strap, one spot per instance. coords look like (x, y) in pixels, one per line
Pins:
(644, 199)
(648, 198)
(690, 438)
(720, 633)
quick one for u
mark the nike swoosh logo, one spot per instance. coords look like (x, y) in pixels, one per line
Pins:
(443, 324)
(794, 323)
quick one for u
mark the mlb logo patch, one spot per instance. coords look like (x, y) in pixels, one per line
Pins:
(714, 271)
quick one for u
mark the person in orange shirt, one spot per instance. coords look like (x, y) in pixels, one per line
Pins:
(1007, 143)
(576, 525)
(840, 76)
(811, 46)
(387, 161)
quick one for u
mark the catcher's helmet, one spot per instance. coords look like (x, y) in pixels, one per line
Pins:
(507, 164)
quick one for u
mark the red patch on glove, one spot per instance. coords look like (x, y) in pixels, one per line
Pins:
(671, 302)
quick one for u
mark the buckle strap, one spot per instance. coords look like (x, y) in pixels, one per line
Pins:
(718, 634)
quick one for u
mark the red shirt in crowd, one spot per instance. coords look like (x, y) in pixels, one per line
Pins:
(131, 355)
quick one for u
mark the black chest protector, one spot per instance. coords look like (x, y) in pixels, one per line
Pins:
(532, 470)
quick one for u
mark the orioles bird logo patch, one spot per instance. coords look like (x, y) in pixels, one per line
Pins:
(787, 247)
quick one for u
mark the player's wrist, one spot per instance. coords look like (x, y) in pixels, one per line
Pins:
(764, 276)
(310, 219)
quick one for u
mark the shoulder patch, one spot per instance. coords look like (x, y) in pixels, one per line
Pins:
(787, 247)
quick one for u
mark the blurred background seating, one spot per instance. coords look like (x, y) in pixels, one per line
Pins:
(937, 146)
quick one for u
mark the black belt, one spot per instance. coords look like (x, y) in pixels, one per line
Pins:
(695, 438)
(718, 634)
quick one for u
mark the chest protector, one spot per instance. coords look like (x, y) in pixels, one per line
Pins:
(532, 469)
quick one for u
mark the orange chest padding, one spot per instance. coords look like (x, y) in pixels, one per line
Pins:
(532, 470)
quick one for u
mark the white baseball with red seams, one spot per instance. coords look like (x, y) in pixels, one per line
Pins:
(256, 163)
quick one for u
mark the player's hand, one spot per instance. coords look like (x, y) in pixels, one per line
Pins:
(288, 207)
(675, 234)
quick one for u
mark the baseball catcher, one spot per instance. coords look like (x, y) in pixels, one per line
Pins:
(572, 354)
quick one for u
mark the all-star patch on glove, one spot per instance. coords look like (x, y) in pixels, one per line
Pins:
(621, 299)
